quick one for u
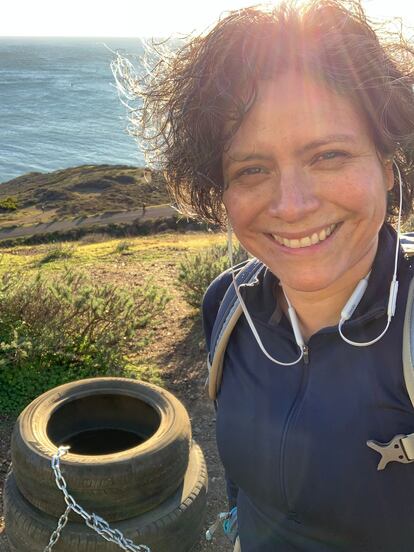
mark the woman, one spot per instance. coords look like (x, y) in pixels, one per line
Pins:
(293, 125)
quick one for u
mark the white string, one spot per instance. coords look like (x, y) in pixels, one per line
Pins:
(392, 299)
(244, 308)
(363, 343)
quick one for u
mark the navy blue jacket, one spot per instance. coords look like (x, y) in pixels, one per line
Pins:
(293, 439)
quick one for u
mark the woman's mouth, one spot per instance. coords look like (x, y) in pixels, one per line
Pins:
(306, 241)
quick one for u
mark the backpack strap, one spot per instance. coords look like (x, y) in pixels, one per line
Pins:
(401, 447)
(227, 316)
(407, 241)
(407, 441)
(408, 343)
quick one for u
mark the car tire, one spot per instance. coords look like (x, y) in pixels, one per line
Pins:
(175, 525)
(123, 483)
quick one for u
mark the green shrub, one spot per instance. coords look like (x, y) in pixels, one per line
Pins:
(55, 330)
(197, 271)
(58, 252)
(8, 204)
(123, 247)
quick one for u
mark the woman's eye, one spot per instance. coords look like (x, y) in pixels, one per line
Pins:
(331, 155)
(249, 171)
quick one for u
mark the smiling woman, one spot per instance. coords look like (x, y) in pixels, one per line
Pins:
(294, 127)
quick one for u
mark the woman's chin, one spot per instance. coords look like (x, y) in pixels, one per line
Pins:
(307, 284)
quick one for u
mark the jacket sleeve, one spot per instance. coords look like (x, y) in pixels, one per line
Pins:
(211, 304)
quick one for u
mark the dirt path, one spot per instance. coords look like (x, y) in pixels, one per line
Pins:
(96, 220)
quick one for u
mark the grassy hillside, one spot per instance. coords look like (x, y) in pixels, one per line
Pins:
(151, 256)
(80, 191)
(128, 265)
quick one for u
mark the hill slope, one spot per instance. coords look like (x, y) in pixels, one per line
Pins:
(85, 190)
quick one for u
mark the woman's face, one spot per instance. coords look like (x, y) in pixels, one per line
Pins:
(306, 189)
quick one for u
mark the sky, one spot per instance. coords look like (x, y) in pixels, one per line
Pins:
(139, 17)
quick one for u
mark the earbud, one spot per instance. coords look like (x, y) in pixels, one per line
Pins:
(355, 299)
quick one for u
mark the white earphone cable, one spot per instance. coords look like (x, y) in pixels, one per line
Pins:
(246, 312)
(392, 298)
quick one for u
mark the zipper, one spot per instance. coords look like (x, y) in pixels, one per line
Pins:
(305, 350)
(291, 416)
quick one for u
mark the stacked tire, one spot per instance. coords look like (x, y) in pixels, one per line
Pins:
(132, 462)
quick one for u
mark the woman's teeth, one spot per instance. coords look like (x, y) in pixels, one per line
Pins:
(307, 240)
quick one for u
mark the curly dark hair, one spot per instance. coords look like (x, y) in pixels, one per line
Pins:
(190, 96)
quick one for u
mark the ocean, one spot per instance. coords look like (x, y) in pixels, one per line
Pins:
(59, 107)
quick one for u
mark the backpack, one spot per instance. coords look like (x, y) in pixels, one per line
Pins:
(401, 447)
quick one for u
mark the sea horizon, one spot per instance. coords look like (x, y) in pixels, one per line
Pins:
(59, 105)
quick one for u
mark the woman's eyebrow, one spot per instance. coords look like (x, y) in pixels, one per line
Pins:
(326, 140)
(240, 156)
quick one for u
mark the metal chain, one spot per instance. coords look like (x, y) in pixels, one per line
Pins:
(93, 521)
(56, 533)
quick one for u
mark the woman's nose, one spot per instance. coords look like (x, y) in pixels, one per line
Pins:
(294, 196)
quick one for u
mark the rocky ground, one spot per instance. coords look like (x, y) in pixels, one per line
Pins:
(178, 348)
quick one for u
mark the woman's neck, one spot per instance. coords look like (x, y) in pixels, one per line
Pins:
(328, 310)
(322, 308)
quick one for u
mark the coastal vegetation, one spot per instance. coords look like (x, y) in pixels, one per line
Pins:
(97, 299)
(75, 310)
(196, 271)
(8, 204)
